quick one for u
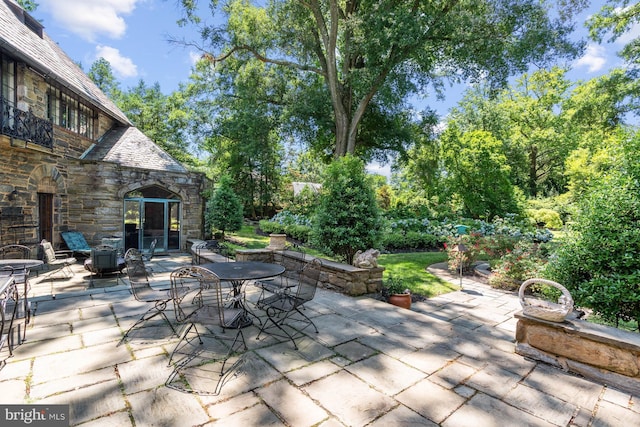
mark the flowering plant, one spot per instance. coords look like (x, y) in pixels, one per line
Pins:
(523, 262)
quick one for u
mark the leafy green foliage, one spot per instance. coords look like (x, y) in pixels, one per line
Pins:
(600, 263)
(393, 285)
(525, 261)
(347, 218)
(478, 174)
(355, 64)
(547, 217)
(615, 22)
(224, 210)
(28, 5)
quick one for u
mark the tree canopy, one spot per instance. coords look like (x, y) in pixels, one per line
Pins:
(356, 64)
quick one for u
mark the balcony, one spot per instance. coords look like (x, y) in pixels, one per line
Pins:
(25, 125)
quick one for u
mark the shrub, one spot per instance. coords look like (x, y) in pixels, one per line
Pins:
(525, 261)
(411, 240)
(270, 227)
(298, 232)
(548, 217)
(600, 264)
(347, 218)
(224, 210)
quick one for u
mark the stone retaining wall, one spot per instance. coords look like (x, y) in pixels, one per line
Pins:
(342, 278)
(604, 354)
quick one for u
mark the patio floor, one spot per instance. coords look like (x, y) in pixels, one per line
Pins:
(448, 361)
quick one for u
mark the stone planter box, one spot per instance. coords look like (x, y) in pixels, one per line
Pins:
(277, 242)
(604, 354)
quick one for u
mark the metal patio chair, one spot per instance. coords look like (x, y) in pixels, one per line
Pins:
(213, 246)
(21, 275)
(8, 314)
(287, 281)
(204, 305)
(143, 292)
(15, 252)
(285, 318)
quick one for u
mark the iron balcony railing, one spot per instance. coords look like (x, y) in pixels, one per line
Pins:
(25, 125)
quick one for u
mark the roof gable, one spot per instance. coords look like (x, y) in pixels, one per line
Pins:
(27, 42)
(129, 147)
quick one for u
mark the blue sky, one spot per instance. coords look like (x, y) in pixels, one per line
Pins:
(132, 35)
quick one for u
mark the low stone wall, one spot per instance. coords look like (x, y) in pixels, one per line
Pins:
(342, 278)
(608, 355)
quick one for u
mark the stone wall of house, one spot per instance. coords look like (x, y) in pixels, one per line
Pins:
(101, 214)
(29, 171)
(88, 196)
(32, 95)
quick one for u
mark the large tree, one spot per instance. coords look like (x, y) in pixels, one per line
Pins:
(368, 58)
(614, 20)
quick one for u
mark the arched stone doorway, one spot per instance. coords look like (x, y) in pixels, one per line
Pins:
(152, 213)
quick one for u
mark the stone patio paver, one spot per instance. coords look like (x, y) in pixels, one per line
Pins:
(449, 361)
(295, 407)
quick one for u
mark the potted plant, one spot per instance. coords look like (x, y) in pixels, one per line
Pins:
(394, 291)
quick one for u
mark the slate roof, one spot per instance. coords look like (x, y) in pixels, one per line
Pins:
(128, 146)
(45, 56)
(125, 144)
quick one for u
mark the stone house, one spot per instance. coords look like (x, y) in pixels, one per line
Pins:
(71, 160)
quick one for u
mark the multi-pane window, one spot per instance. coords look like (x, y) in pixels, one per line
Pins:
(8, 76)
(69, 113)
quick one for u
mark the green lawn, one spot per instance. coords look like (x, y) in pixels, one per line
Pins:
(410, 267)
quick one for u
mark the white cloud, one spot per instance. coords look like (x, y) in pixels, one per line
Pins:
(122, 66)
(194, 57)
(631, 34)
(377, 168)
(594, 58)
(89, 18)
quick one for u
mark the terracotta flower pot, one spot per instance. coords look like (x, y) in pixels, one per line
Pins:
(401, 300)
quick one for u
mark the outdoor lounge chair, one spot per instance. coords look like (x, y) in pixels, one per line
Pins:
(284, 316)
(76, 243)
(57, 260)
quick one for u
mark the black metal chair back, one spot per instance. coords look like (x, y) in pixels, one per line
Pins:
(143, 292)
(284, 309)
(204, 304)
(15, 252)
(8, 311)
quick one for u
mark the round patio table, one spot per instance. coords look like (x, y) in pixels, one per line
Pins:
(242, 271)
(20, 263)
(237, 273)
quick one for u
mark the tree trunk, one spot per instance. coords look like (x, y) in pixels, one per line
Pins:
(533, 171)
